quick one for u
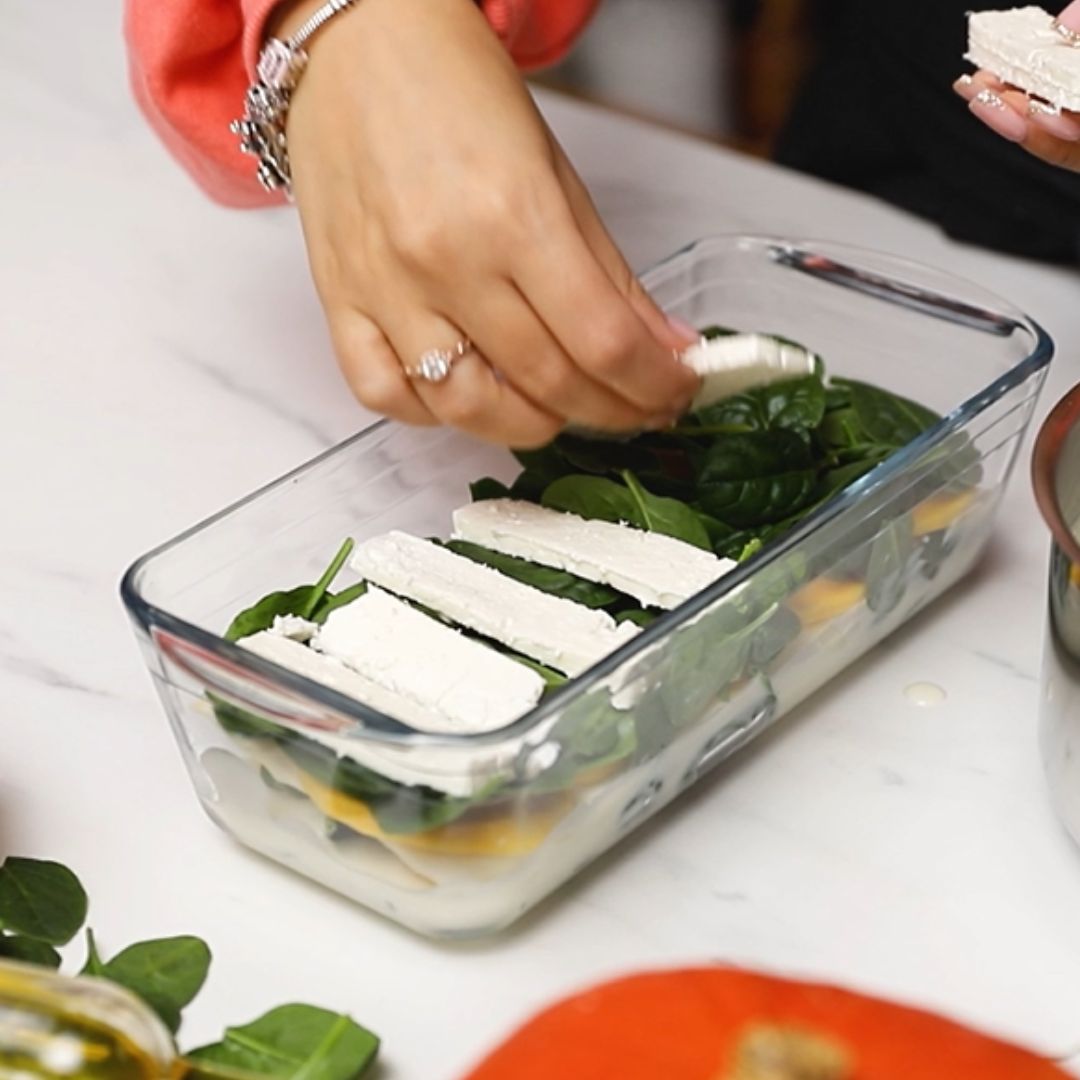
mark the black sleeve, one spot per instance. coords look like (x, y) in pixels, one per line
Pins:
(878, 113)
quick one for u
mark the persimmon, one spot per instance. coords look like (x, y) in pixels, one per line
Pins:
(725, 1024)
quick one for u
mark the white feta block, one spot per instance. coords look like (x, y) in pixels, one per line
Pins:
(566, 636)
(294, 627)
(289, 653)
(658, 571)
(1022, 47)
(464, 686)
(458, 771)
(736, 362)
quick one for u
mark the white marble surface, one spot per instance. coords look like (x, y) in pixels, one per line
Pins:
(161, 357)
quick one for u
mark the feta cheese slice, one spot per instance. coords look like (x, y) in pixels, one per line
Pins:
(658, 571)
(464, 686)
(732, 363)
(277, 647)
(458, 771)
(566, 636)
(1022, 47)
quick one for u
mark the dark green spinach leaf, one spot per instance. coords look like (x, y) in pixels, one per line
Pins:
(488, 488)
(166, 973)
(305, 601)
(28, 950)
(599, 498)
(556, 582)
(758, 478)
(294, 1042)
(41, 900)
(885, 417)
(789, 405)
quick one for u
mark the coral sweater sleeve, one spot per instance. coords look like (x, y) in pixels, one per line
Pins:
(191, 61)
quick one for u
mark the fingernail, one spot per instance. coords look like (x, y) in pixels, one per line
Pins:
(965, 87)
(1070, 17)
(1049, 118)
(683, 328)
(991, 109)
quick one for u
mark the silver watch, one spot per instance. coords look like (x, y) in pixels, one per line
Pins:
(266, 103)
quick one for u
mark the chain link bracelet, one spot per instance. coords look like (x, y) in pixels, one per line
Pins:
(266, 103)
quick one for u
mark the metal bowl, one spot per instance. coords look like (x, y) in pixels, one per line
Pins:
(1056, 478)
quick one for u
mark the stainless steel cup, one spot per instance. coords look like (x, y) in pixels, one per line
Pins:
(1056, 478)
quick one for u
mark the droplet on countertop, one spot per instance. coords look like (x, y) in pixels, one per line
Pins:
(925, 694)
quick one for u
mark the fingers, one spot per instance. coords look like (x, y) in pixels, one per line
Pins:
(373, 370)
(670, 331)
(596, 325)
(1070, 16)
(512, 338)
(1048, 134)
(472, 397)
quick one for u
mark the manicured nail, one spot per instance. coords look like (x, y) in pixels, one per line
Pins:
(1050, 119)
(991, 109)
(965, 86)
(683, 329)
(1070, 17)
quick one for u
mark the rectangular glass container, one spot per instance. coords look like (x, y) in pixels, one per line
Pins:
(459, 835)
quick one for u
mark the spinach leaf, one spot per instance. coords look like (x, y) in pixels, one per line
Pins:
(41, 900)
(602, 456)
(539, 469)
(841, 429)
(93, 965)
(294, 1042)
(333, 601)
(593, 497)
(834, 480)
(789, 405)
(238, 721)
(667, 516)
(166, 973)
(885, 417)
(758, 478)
(29, 950)
(590, 733)
(637, 616)
(303, 601)
(261, 615)
(596, 497)
(488, 488)
(836, 397)
(557, 582)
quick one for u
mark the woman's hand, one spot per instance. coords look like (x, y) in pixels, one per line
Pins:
(436, 205)
(1041, 130)
(1052, 136)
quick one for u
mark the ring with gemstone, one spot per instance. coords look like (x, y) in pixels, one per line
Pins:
(1068, 35)
(434, 365)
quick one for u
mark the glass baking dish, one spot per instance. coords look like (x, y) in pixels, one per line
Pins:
(459, 835)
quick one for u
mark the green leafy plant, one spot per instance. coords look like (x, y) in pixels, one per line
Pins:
(166, 973)
(43, 904)
(312, 602)
(293, 1041)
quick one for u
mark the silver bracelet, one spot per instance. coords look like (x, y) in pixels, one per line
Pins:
(266, 103)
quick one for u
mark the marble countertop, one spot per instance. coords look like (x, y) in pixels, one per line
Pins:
(163, 356)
